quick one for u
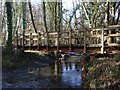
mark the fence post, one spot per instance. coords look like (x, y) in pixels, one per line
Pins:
(70, 41)
(30, 41)
(84, 41)
(58, 41)
(102, 41)
(16, 41)
(47, 37)
(20, 40)
(23, 40)
(39, 35)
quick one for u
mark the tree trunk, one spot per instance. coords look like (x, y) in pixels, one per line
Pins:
(114, 9)
(45, 23)
(9, 23)
(108, 14)
(24, 21)
(55, 14)
(118, 17)
(30, 8)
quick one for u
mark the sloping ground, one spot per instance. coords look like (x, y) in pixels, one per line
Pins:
(17, 59)
(103, 74)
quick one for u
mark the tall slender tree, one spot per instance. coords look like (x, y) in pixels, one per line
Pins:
(9, 23)
(30, 8)
(45, 23)
(24, 20)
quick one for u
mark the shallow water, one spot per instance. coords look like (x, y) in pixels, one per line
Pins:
(62, 74)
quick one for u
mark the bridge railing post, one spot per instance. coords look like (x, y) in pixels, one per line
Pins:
(47, 41)
(39, 40)
(70, 41)
(102, 41)
(58, 41)
(23, 40)
(30, 41)
(85, 41)
(16, 41)
(20, 40)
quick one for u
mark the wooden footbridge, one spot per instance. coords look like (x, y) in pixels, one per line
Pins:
(90, 40)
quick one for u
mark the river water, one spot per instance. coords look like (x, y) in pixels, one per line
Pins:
(62, 74)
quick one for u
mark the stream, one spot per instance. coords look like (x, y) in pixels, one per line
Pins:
(61, 74)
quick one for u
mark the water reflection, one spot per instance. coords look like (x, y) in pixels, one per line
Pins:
(65, 72)
(71, 74)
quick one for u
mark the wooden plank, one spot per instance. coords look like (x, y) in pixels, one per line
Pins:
(52, 33)
(27, 34)
(114, 35)
(64, 37)
(106, 28)
(113, 44)
(27, 39)
(77, 36)
(34, 34)
(35, 39)
(113, 26)
(94, 45)
(98, 35)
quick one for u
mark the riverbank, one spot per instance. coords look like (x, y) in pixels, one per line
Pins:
(103, 73)
(16, 63)
(18, 59)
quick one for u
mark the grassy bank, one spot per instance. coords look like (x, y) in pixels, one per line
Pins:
(103, 73)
